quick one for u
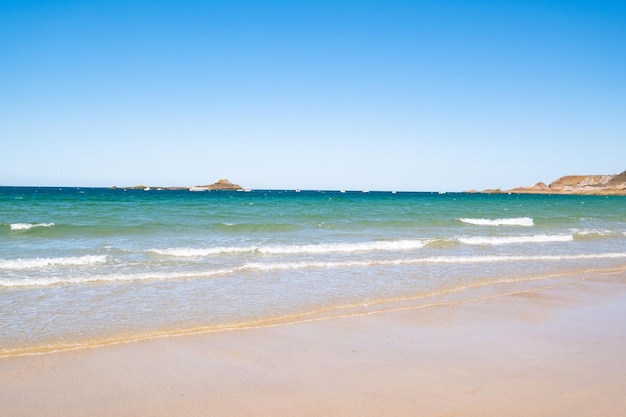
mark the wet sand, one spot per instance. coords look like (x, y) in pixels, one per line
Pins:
(556, 352)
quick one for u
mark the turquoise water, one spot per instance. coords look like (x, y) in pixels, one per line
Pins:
(81, 267)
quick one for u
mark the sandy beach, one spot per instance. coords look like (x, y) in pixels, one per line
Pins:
(554, 352)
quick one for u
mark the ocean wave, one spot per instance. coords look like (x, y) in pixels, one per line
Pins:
(276, 266)
(345, 247)
(516, 221)
(297, 249)
(21, 263)
(201, 252)
(65, 280)
(230, 227)
(28, 226)
(510, 240)
(431, 260)
(593, 234)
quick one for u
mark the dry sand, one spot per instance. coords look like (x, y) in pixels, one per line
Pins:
(556, 352)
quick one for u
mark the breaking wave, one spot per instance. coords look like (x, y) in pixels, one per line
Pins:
(298, 265)
(432, 260)
(28, 226)
(61, 280)
(19, 264)
(516, 221)
(296, 249)
(509, 240)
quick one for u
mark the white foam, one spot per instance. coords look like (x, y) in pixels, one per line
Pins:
(519, 258)
(297, 249)
(430, 260)
(27, 226)
(273, 266)
(509, 240)
(516, 221)
(65, 280)
(591, 233)
(305, 265)
(21, 263)
(345, 247)
(200, 252)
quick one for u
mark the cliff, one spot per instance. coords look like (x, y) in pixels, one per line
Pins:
(575, 184)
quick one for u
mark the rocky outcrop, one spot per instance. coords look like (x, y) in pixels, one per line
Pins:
(617, 180)
(223, 185)
(575, 184)
(539, 187)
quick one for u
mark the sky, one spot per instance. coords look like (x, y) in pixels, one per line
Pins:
(379, 95)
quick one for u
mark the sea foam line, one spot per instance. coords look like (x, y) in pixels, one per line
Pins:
(101, 278)
(21, 263)
(516, 221)
(430, 260)
(27, 226)
(336, 312)
(508, 240)
(275, 266)
(296, 249)
(200, 252)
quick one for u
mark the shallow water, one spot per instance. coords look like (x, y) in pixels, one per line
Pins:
(90, 266)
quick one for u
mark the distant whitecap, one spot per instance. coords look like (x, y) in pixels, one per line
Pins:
(27, 226)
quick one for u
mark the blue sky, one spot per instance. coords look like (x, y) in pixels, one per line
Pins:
(380, 95)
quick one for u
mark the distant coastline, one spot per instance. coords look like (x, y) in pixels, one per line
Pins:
(572, 185)
(567, 185)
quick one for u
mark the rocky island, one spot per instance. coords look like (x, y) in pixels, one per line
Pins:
(221, 185)
(574, 184)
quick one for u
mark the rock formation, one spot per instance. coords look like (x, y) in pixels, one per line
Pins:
(223, 185)
(220, 185)
(575, 184)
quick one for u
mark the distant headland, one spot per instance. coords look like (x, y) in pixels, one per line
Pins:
(221, 185)
(573, 184)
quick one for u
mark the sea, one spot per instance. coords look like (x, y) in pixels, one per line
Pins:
(86, 267)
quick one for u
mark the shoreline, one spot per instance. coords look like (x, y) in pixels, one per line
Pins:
(443, 298)
(550, 351)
